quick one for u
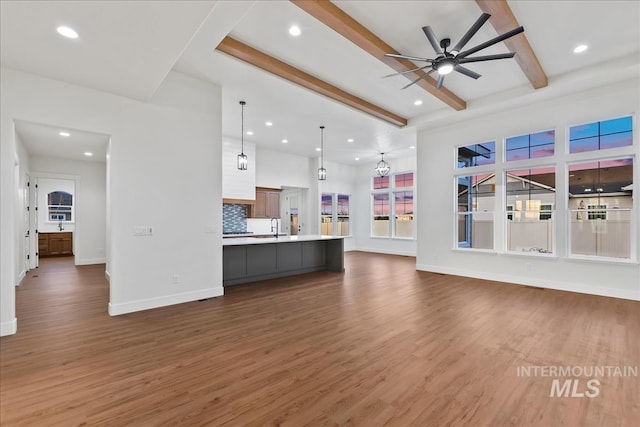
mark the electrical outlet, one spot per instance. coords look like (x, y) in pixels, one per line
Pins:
(175, 279)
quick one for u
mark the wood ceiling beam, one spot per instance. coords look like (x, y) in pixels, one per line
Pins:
(503, 20)
(335, 18)
(259, 59)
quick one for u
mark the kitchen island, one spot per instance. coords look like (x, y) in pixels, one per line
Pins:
(249, 259)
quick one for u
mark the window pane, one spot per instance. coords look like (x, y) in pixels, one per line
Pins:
(404, 179)
(380, 226)
(601, 135)
(476, 199)
(343, 215)
(477, 155)
(540, 144)
(326, 225)
(380, 182)
(530, 201)
(403, 213)
(601, 208)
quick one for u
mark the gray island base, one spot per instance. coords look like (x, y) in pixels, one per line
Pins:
(252, 259)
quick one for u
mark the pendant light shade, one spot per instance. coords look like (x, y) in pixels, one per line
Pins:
(242, 158)
(382, 168)
(322, 172)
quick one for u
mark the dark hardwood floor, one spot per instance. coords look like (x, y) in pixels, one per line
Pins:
(381, 344)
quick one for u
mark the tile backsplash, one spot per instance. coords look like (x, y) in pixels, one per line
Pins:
(234, 218)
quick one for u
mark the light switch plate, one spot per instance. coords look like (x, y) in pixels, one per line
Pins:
(142, 230)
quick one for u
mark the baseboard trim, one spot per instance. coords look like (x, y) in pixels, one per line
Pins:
(147, 304)
(528, 281)
(107, 276)
(21, 277)
(90, 261)
(9, 328)
(386, 251)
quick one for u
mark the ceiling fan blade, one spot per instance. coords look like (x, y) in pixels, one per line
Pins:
(491, 42)
(440, 81)
(411, 58)
(428, 31)
(405, 72)
(467, 72)
(471, 32)
(419, 78)
(487, 58)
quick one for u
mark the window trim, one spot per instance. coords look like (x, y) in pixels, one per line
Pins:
(390, 191)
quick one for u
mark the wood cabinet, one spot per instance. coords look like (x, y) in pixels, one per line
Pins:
(55, 244)
(267, 203)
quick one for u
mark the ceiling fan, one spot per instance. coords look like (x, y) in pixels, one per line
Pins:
(447, 61)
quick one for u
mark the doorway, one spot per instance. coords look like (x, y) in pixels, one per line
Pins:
(292, 210)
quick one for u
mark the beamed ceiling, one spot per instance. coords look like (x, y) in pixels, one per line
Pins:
(332, 73)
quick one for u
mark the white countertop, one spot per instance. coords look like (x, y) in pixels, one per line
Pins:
(234, 241)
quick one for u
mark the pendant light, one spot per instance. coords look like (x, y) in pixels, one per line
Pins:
(322, 172)
(382, 168)
(242, 158)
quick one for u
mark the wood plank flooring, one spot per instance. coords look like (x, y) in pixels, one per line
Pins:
(381, 344)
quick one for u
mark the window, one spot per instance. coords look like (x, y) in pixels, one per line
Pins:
(393, 198)
(403, 208)
(530, 146)
(601, 135)
(476, 198)
(477, 155)
(380, 182)
(530, 197)
(330, 216)
(380, 226)
(60, 206)
(601, 208)
(326, 215)
(343, 215)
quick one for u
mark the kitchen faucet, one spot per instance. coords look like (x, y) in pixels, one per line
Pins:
(274, 229)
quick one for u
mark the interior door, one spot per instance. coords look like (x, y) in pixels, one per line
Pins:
(26, 221)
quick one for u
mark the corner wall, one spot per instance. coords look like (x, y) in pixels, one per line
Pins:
(436, 198)
(164, 164)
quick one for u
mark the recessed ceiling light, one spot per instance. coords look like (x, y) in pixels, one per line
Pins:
(65, 134)
(249, 132)
(580, 48)
(67, 32)
(88, 154)
(318, 149)
(350, 140)
(587, 190)
(284, 141)
(357, 158)
(268, 124)
(417, 102)
(294, 30)
(412, 147)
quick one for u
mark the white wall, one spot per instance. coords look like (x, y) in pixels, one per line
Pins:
(277, 168)
(436, 201)
(236, 183)
(22, 170)
(164, 153)
(90, 196)
(364, 241)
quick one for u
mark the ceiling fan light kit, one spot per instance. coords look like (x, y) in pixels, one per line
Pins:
(447, 61)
